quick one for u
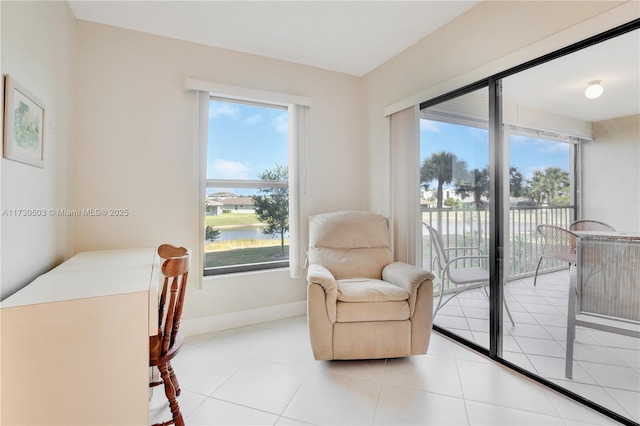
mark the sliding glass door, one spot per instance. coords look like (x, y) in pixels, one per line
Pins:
(454, 201)
(506, 166)
(573, 152)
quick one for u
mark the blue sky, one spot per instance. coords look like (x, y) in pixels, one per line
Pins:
(470, 144)
(245, 140)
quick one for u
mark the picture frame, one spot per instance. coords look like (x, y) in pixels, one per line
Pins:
(24, 116)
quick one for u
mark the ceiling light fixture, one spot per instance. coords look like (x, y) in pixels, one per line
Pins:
(594, 89)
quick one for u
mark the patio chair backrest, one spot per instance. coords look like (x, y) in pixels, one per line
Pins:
(441, 255)
(590, 225)
(558, 243)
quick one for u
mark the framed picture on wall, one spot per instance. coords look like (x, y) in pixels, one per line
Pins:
(23, 125)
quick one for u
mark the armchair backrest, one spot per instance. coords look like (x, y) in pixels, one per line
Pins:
(350, 244)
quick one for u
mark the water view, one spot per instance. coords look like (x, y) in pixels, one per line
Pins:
(244, 233)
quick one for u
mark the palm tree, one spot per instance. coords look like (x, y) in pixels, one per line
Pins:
(477, 184)
(443, 167)
(549, 184)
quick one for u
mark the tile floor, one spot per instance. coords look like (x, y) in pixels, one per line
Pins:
(606, 367)
(266, 375)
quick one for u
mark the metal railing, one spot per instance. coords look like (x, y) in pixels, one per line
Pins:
(471, 228)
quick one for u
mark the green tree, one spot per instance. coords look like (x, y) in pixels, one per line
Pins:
(272, 206)
(443, 167)
(550, 186)
(517, 183)
(476, 184)
(211, 234)
(451, 202)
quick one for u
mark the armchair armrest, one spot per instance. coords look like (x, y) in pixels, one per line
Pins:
(408, 277)
(318, 274)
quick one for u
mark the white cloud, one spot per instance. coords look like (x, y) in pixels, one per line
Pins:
(226, 169)
(553, 147)
(254, 119)
(519, 139)
(480, 135)
(221, 109)
(429, 126)
(281, 123)
(544, 146)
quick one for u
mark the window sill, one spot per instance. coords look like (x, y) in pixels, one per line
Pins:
(219, 277)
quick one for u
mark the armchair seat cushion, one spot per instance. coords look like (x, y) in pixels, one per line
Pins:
(369, 290)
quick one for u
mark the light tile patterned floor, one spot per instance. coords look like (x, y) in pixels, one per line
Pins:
(606, 367)
(266, 375)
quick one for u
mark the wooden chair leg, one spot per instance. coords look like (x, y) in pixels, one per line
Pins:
(174, 379)
(170, 392)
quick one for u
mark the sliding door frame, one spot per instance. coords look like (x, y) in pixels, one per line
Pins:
(498, 209)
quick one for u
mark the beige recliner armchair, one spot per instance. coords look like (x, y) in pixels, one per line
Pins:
(360, 303)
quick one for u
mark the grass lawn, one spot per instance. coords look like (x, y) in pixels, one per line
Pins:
(245, 255)
(241, 251)
(232, 219)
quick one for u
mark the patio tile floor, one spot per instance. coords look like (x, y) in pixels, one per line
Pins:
(606, 365)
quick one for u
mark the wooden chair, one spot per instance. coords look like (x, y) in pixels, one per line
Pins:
(165, 345)
(590, 225)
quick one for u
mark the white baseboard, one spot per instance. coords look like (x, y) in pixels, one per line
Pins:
(190, 327)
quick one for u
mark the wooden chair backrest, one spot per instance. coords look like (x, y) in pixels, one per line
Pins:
(175, 270)
(167, 251)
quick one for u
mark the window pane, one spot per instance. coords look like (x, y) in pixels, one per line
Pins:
(454, 176)
(246, 228)
(234, 234)
(539, 193)
(245, 140)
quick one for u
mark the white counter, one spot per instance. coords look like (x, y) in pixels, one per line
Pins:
(75, 342)
(91, 274)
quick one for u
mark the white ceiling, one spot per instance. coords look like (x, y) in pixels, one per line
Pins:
(558, 86)
(355, 37)
(352, 37)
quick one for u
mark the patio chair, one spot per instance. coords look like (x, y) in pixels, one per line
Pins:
(604, 290)
(590, 225)
(463, 278)
(557, 243)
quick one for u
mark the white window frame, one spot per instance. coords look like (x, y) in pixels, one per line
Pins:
(297, 107)
(250, 184)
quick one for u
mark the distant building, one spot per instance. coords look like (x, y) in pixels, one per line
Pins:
(221, 202)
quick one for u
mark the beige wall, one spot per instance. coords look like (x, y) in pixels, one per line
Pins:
(137, 148)
(134, 128)
(611, 174)
(489, 38)
(38, 51)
